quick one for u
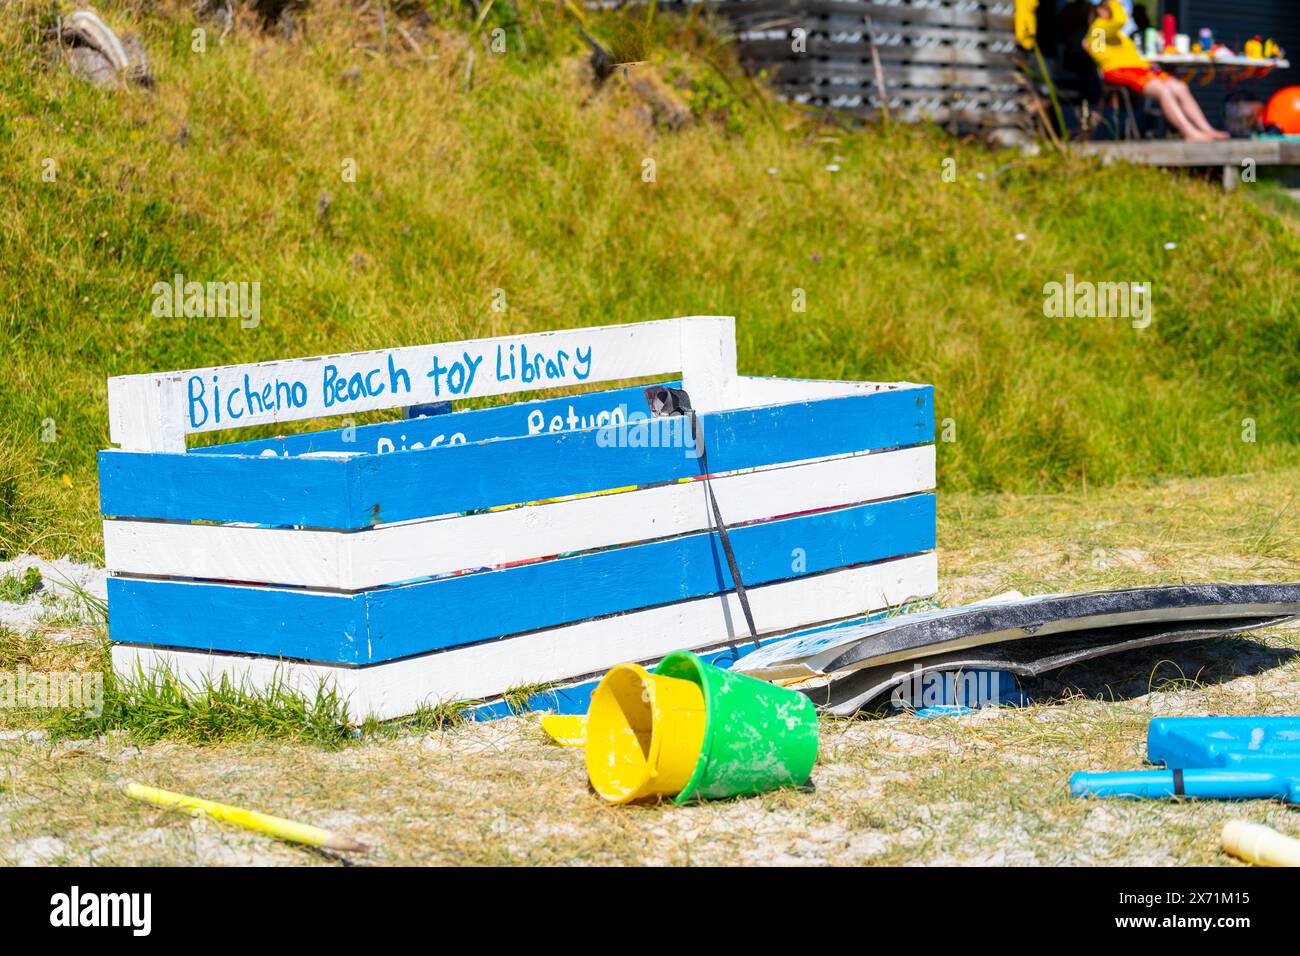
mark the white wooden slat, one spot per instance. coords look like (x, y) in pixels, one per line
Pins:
(388, 554)
(748, 391)
(148, 412)
(486, 670)
(145, 413)
(708, 369)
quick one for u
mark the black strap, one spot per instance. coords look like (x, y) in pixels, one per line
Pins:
(1178, 783)
(675, 401)
(722, 531)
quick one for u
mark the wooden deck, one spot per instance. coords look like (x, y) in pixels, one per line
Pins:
(1230, 155)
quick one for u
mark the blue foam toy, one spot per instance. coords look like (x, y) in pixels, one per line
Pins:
(1219, 758)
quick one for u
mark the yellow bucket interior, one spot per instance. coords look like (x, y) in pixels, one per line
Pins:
(644, 734)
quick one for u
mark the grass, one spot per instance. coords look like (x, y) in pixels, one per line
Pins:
(985, 788)
(1277, 198)
(441, 716)
(528, 179)
(148, 709)
(16, 587)
(517, 698)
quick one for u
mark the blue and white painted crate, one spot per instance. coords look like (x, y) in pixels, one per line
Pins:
(459, 555)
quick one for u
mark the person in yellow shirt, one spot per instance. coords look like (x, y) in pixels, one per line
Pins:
(1122, 65)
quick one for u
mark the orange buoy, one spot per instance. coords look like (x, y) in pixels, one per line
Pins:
(1283, 110)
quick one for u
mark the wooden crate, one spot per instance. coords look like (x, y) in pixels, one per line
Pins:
(459, 555)
(953, 62)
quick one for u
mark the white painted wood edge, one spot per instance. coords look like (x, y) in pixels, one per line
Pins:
(708, 348)
(560, 654)
(148, 412)
(144, 414)
(388, 554)
(750, 391)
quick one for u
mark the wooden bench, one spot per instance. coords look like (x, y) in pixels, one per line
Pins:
(1230, 155)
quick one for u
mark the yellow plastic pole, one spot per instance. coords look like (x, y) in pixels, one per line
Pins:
(248, 819)
(1259, 844)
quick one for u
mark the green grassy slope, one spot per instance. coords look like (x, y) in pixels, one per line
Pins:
(530, 181)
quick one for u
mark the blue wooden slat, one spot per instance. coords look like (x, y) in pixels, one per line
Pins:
(311, 492)
(390, 623)
(475, 425)
(400, 486)
(224, 618)
(427, 409)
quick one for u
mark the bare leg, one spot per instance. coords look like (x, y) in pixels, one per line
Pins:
(1192, 110)
(1162, 93)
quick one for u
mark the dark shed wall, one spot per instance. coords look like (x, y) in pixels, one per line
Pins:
(1234, 22)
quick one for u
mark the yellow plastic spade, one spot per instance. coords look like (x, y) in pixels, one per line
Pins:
(567, 730)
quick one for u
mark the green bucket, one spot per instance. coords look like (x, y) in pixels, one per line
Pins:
(757, 736)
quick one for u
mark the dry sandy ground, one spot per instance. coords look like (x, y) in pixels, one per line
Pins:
(63, 582)
(985, 788)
